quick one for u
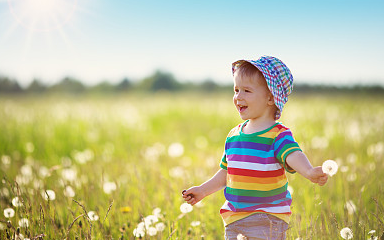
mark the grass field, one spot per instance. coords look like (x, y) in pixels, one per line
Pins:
(95, 167)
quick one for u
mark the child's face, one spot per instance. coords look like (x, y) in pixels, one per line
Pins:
(252, 97)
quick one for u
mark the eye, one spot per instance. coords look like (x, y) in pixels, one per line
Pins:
(247, 91)
(236, 90)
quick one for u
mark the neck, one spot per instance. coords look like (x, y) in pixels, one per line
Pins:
(257, 125)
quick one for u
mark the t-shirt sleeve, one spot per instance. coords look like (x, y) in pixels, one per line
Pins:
(223, 162)
(284, 145)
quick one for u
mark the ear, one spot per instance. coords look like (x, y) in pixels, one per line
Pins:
(271, 99)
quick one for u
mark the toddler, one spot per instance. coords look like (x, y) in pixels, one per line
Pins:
(257, 155)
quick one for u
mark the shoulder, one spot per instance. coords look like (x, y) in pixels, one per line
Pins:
(280, 130)
(235, 131)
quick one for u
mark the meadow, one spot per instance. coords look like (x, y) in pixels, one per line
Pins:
(114, 167)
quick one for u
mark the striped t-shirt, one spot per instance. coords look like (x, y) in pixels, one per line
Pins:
(256, 180)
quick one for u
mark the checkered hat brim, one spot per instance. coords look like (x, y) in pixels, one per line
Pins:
(277, 75)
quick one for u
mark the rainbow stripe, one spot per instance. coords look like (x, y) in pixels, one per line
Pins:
(256, 180)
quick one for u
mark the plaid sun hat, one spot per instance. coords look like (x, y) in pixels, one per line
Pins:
(278, 76)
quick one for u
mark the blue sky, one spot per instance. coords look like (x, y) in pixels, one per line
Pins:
(336, 42)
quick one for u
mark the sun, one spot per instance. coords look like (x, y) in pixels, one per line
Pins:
(42, 15)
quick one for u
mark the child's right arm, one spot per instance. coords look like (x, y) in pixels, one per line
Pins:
(194, 194)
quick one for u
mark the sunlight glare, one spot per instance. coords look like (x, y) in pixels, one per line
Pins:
(42, 15)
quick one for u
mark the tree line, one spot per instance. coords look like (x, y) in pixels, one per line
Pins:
(161, 81)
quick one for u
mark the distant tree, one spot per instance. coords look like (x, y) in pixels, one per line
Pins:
(160, 81)
(9, 86)
(124, 85)
(209, 85)
(36, 86)
(104, 86)
(69, 84)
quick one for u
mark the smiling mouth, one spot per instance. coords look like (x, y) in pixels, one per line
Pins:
(242, 108)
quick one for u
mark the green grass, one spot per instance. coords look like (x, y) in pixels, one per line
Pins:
(126, 139)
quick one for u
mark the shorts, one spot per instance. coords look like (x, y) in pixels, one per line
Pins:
(257, 227)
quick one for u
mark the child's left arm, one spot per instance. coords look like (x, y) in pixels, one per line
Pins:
(300, 163)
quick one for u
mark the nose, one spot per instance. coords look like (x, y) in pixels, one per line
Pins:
(238, 96)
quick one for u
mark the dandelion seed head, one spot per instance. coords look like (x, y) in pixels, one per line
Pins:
(330, 167)
(160, 226)
(48, 195)
(195, 223)
(9, 213)
(16, 202)
(186, 208)
(152, 231)
(6, 160)
(350, 206)
(176, 150)
(43, 172)
(372, 232)
(109, 187)
(69, 192)
(346, 233)
(26, 170)
(93, 216)
(4, 192)
(150, 219)
(138, 232)
(24, 223)
(157, 212)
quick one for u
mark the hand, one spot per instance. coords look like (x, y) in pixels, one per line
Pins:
(193, 195)
(316, 175)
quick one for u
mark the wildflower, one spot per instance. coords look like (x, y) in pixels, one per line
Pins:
(69, 192)
(186, 208)
(4, 192)
(372, 232)
(195, 223)
(6, 160)
(157, 212)
(126, 209)
(160, 226)
(138, 232)
(151, 219)
(346, 233)
(23, 222)
(109, 187)
(175, 150)
(93, 216)
(16, 202)
(9, 213)
(330, 167)
(43, 172)
(350, 206)
(48, 195)
(69, 174)
(152, 231)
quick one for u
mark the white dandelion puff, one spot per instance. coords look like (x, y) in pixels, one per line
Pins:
(175, 150)
(109, 187)
(48, 195)
(330, 167)
(157, 212)
(372, 232)
(138, 232)
(152, 231)
(186, 208)
(195, 223)
(43, 172)
(93, 216)
(69, 192)
(160, 226)
(69, 174)
(16, 202)
(150, 219)
(9, 213)
(350, 206)
(6, 160)
(346, 233)
(23, 222)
